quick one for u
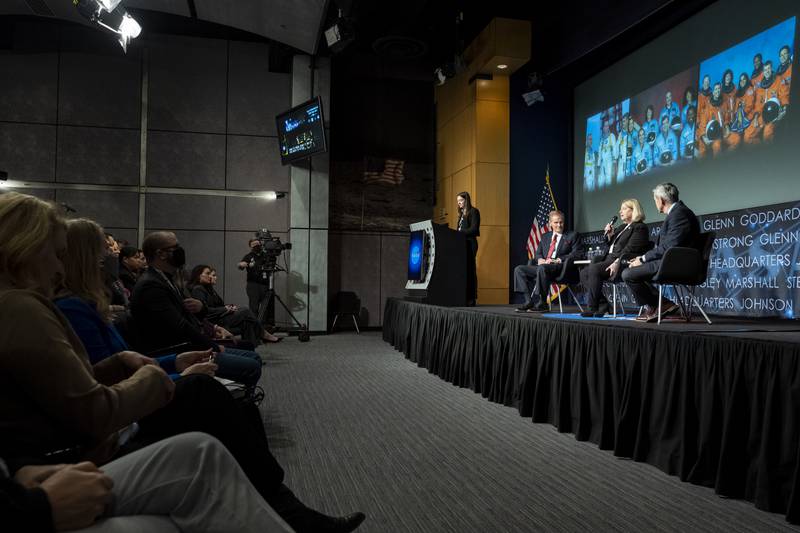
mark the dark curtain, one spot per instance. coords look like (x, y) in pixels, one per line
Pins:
(712, 410)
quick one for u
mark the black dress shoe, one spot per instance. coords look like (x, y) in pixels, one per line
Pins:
(527, 307)
(541, 308)
(316, 522)
(589, 313)
(341, 524)
(602, 310)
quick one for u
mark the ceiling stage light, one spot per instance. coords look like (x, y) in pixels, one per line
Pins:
(109, 15)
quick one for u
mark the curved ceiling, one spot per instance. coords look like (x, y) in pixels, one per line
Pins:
(296, 24)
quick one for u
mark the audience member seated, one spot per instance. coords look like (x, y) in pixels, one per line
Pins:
(555, 248)
(165, 487)
(680, 228)
(120, 298)
(131, 264)
(231, 317)
(58, 408)
(625, 242)
(167, 318)
(84, 301)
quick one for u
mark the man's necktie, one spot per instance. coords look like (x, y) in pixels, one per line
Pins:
(552, 246)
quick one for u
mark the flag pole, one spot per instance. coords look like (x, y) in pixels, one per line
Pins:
(549, 188)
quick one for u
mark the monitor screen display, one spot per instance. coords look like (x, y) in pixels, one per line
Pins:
(301, 131)
(416, 256)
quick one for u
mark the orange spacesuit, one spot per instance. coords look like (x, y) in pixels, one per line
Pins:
(714, 110)
(740, 113)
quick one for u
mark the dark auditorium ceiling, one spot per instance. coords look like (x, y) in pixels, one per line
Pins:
(402, 39)
(292, 22)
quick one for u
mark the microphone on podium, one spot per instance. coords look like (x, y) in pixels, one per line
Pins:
(610, 224)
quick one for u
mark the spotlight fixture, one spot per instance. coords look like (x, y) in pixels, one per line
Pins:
(439, 77)
(110, 16)
(341, 34)
(535, 91)
(448, 70)
(502, 66)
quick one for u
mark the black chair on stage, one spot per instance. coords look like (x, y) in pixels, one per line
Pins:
(616, 280)
(685, 268)
(568, 276)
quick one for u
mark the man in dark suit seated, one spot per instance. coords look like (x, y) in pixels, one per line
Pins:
(166, 318)
(624, 242)
(680, 228)
(555, 249)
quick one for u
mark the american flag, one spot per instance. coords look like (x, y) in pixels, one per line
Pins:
(540, 225)
(384, 172)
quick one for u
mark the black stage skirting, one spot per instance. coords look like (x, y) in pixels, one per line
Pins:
(719, 410)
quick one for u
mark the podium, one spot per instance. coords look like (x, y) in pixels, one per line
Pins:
(443, 279)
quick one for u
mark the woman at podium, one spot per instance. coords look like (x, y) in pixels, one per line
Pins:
(469, 223)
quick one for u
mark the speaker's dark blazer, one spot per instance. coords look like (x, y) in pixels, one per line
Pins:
(630, 242)
(471, 227)
(680, 228)
(569, 247)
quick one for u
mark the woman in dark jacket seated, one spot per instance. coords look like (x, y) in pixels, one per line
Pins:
(239, 321)
(626, 241)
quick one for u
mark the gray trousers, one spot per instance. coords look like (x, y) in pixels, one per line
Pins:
(526, 277)
(189, 482)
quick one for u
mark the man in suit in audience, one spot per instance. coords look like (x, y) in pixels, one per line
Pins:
(555, 249)
(165, 317)
(680, 228)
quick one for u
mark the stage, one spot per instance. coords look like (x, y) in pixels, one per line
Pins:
(717, 405)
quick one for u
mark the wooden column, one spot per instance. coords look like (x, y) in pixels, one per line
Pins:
(472, 135)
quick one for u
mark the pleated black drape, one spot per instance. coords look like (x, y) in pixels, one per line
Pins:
(715, 411)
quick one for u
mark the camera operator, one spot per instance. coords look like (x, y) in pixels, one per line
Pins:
(258, 278)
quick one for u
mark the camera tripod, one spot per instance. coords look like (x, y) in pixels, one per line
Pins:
(266, 301)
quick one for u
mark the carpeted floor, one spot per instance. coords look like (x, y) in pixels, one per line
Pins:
(358, 427)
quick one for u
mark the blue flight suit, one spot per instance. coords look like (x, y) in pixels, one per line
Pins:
(687, 138)
(668, 144)
(673, 111)
(642, 151)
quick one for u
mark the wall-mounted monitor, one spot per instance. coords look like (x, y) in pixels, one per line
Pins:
(301, 131)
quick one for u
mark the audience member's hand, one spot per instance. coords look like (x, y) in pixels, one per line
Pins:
(232, 308)
(193, 305)
(541, 261)
(243, 264)
(222, 333)
(186, 359)
(134, 361)
(78, 494)
(635, 263)
(32, 475)
(208, 368)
